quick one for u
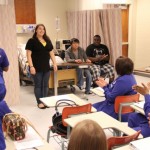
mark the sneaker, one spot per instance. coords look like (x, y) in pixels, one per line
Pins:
(88, 92)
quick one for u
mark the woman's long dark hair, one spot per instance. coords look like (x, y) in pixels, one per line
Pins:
(45, 37)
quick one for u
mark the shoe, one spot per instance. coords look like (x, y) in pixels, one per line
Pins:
(81, 87)
(44, 107)
(88, 92)
(94, 85)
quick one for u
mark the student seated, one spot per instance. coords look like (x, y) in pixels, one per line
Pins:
(138, 121)
(119, 87)
(99, 55)
(87, 135)
(77, 55)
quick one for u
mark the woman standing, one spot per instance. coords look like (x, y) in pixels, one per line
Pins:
(39, 51)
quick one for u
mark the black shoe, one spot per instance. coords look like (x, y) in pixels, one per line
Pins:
(44, 107)
(81, 87)
(88, 92)
(94, 85)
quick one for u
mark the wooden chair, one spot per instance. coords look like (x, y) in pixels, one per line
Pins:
(122, 104)
(66, 113)
(118, 141)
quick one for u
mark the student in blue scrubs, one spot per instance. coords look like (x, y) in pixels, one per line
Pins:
(138, 121)
(119, 87)
(4, 109)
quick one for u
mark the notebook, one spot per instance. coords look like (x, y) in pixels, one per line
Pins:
(142, 144)
(140, 104)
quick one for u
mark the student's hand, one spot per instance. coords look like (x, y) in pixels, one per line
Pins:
(88, 61)
(102, 57)
(32, 70)
(101, 82)
(78, 61)
(55, 67)
(148, 85)
(141, 89)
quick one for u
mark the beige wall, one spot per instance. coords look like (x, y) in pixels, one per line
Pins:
(142, 34)
(92, 4)
(46, 12)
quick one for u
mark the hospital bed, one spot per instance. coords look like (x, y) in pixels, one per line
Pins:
(24, 73)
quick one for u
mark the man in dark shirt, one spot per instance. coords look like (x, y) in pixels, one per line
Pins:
(99, 55)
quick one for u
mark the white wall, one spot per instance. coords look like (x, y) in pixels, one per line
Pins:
(142, 54)
(46, 12)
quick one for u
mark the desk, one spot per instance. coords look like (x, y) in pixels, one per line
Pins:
(51, 101)
(10, 146)
(138, 109)
(126, 147)
(98, 91)
(104, 120)
(66, 65)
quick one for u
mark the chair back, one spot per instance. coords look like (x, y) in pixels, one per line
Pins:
(126, 99)
(68, 111)
(116, 141)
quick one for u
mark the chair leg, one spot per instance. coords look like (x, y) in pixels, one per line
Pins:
(62, 143)
(48, 135)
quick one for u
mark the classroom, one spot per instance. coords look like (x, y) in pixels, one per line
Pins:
(85, 53)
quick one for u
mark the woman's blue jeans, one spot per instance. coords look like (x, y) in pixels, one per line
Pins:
(41, 80)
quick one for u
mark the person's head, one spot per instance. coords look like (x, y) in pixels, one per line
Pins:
(40, 31)
(74, 42)
(87, 135)
(124, 66)
(96, 40)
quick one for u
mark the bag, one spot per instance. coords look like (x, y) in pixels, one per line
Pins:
(15, 126)
(58, 126)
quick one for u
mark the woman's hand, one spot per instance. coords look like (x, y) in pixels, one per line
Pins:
(78, 61)
(101, 82)
(32, 70)
(141, 89)
(55, 67)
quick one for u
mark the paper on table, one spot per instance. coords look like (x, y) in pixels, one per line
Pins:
(140, 104)
(141, 144)
(59, 97)
(100, 89)
(31, 140)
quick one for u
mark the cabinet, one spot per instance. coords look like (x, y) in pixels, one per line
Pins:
(25, 11)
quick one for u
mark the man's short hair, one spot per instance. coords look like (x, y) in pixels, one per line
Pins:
(98, 36)
(74, 40)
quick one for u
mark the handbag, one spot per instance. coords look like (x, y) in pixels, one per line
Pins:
(58, 126)
(15, 126)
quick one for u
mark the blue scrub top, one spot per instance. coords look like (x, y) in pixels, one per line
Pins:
(3, 61)
(4, 109)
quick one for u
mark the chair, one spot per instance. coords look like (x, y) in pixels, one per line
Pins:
(66, 113)
(117, 141)
(122, 104)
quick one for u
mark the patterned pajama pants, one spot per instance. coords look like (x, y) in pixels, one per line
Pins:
(97, 71)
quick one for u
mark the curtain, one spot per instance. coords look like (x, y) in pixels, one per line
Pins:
(9, 44)
(107, 23)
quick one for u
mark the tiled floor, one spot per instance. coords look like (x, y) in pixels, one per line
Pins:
(42, 118)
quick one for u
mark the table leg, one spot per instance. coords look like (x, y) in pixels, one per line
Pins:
(55, 83)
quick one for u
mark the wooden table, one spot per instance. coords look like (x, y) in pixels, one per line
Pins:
(67, 65)
(104, 120)
(51, 101)
(142, 72)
